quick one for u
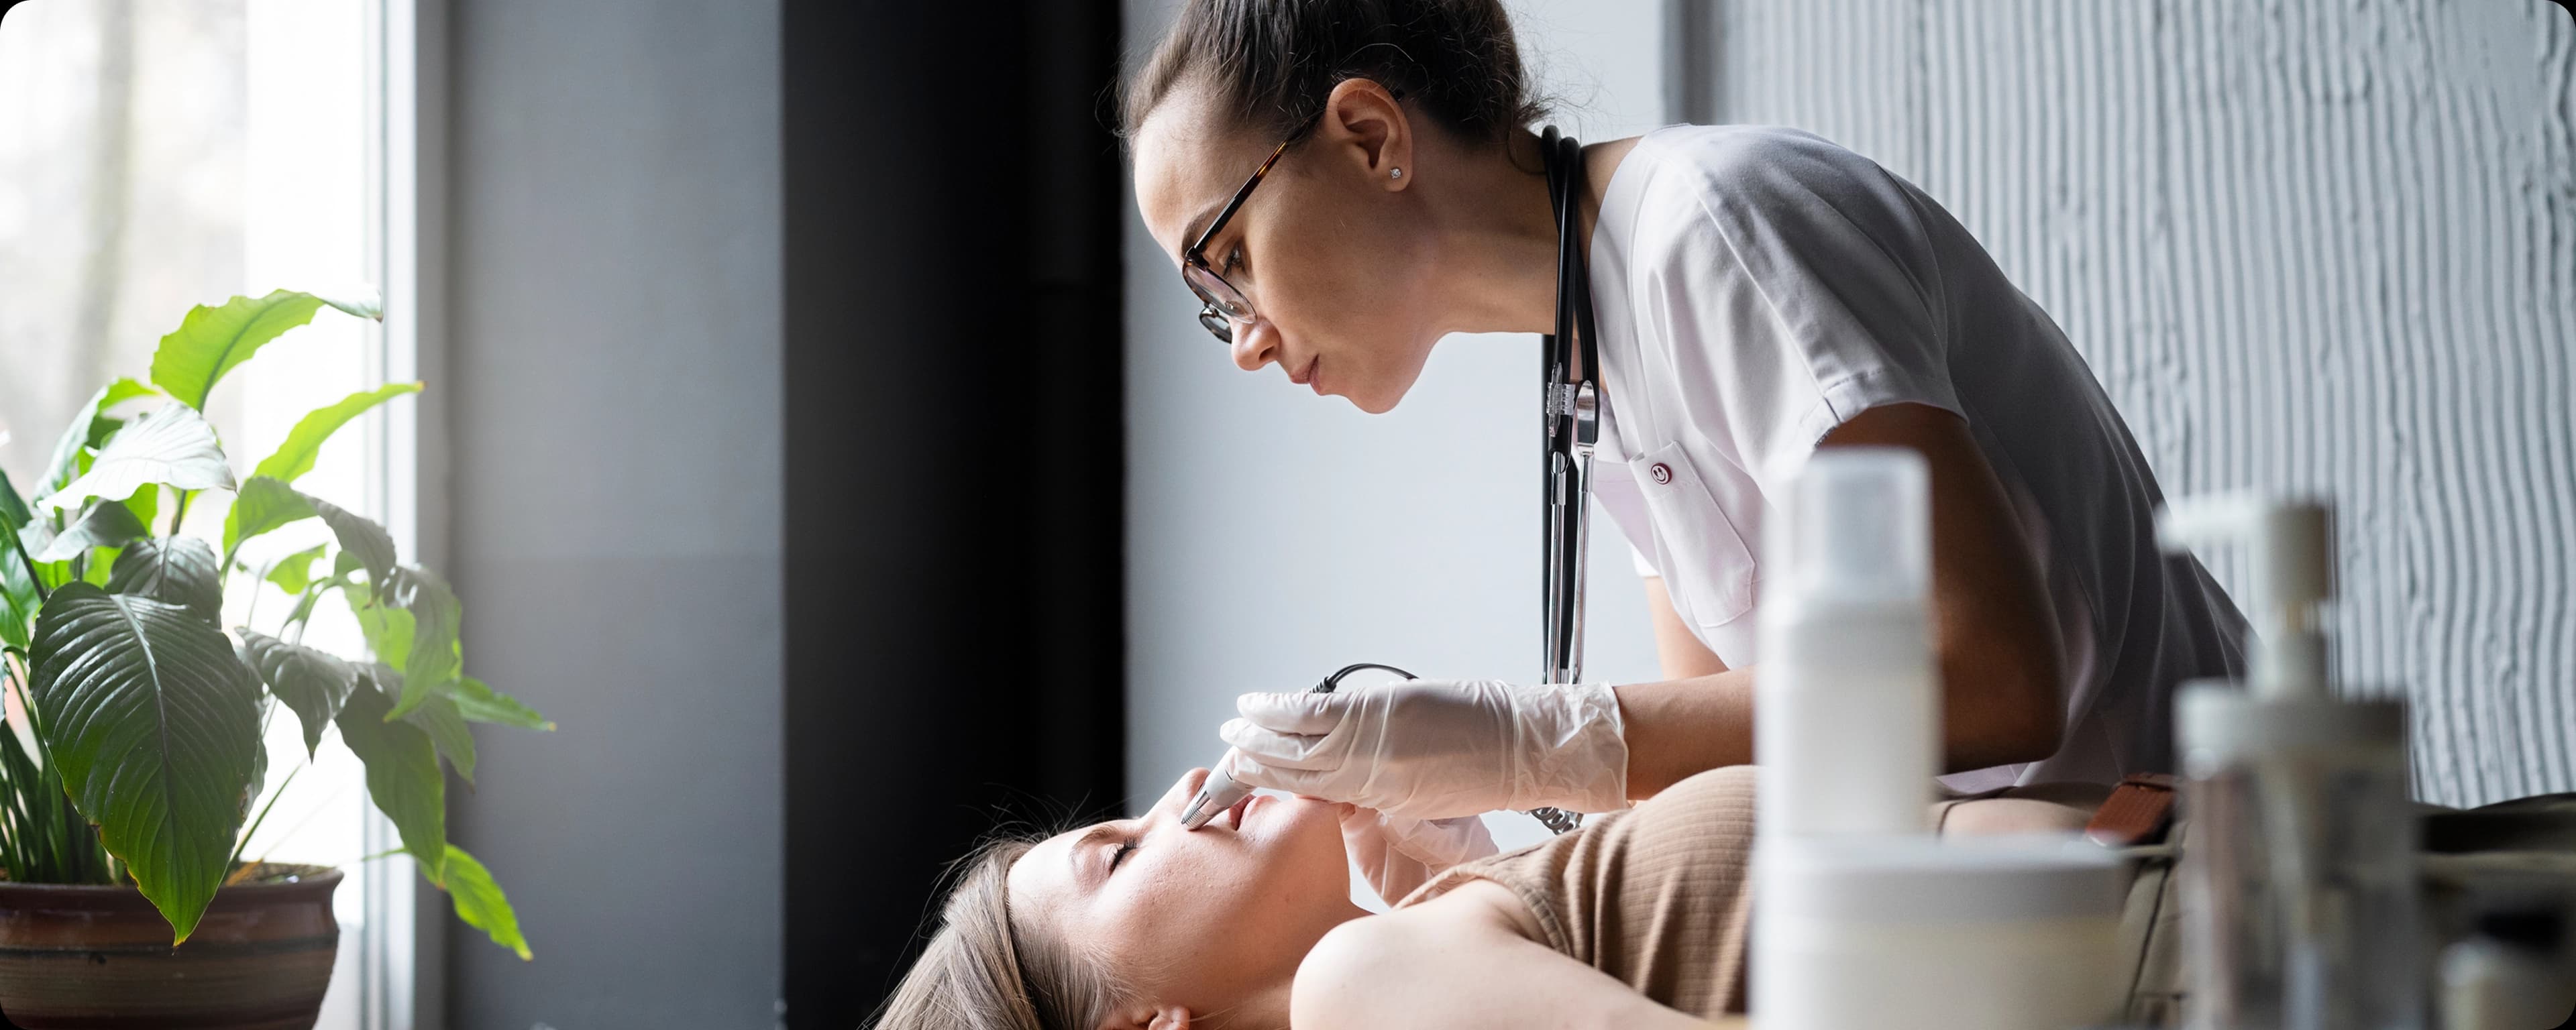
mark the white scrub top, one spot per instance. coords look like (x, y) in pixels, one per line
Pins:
(1755, 288)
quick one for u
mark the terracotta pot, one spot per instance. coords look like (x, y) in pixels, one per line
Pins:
(96, 958)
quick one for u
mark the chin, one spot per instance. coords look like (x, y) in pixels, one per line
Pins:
(1381, 398)
(1381, 394)
(1302, 850)
(1289, 825)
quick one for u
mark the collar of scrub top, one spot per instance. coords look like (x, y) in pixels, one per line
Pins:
(1570, 404)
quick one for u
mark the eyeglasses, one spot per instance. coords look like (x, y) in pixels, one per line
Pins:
(1223, 305)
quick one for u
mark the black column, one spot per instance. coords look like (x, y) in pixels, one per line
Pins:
(954, 457)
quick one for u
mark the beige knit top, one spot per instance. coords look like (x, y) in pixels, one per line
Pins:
(1656, 896)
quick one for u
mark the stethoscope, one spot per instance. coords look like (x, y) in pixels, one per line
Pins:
(1570, 406)
(1570, 416)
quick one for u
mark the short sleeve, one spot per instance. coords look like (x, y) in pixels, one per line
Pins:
(1795, 288)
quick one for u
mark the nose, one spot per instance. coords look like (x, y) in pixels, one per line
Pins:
(1178, 797)
(1255, 344)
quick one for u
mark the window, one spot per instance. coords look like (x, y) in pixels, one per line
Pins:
(156, 156)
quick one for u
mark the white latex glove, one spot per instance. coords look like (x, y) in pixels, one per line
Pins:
(1430, 749)
(1398, 855)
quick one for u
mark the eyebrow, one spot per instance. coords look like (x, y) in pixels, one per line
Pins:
(1198, 225)
(1082, 845)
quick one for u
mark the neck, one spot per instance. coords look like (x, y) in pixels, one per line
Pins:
(1498, 237)
(1266, 1007)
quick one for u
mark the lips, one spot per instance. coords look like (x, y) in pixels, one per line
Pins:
(1236, 813)
(1314, 376)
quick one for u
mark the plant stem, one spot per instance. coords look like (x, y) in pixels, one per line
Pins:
(181, 515)
(20, 545)
(244, 842)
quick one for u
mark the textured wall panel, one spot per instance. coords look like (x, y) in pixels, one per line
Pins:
(2309, 246)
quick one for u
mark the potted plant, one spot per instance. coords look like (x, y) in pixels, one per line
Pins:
(123, 807)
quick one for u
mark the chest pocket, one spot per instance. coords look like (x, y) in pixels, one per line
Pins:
(1707, 566)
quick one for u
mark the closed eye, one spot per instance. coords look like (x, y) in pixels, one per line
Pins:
(1120, 855)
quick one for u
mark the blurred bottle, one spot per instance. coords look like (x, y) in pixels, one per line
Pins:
(2299, 876)
(2511, 973)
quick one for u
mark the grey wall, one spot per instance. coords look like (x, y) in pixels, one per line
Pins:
(614, 389)
(2308, 245)
(1274, 537)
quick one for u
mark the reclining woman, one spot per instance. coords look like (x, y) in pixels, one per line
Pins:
(1636, 920)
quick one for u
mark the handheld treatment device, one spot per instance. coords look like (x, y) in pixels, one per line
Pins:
(1222, 792)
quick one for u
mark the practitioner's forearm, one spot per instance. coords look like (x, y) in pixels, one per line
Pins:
(1680, 727)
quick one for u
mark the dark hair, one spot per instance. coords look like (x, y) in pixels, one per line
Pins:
(1272, 63)
(983, 970)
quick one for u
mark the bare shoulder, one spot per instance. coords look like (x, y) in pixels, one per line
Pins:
(1357, 966)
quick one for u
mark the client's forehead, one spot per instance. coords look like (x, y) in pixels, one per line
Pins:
(1047, 873)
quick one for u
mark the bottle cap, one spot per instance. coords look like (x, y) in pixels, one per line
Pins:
(1856, 530)
(2290, 543)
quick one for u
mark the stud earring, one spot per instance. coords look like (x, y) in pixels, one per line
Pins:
(1395, 173)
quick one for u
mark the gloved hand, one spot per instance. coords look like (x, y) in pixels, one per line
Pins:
(1398, 855)
(1429, 749)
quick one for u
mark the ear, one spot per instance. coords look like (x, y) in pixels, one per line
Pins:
(1366, 130)
(1166, 1017)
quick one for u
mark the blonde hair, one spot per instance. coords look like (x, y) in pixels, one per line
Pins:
(982, 970)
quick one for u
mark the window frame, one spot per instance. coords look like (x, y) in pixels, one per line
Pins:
(402, 946)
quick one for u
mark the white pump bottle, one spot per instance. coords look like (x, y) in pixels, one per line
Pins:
(1846, 706)
(2299, 857)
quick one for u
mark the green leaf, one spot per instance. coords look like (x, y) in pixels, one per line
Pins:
(18, 594)
(105, 524)
(402, 774)
(294, 572)
(361, 536)
(100, 564)
(314, 684)
(13, 508)
(257, 782)
(480, 703)
(155, 725)
(304, 443)
(146, 505)
(480, 903)
(91, 426)
(19, 598)
(53, 574)
(172, 445)
(176, 570)
(436, 656)
(388, 631)
(437, 716)
(265, 503)
(214, 340)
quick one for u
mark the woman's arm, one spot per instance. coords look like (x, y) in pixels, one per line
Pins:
(1999, 652)
(1460, 961)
